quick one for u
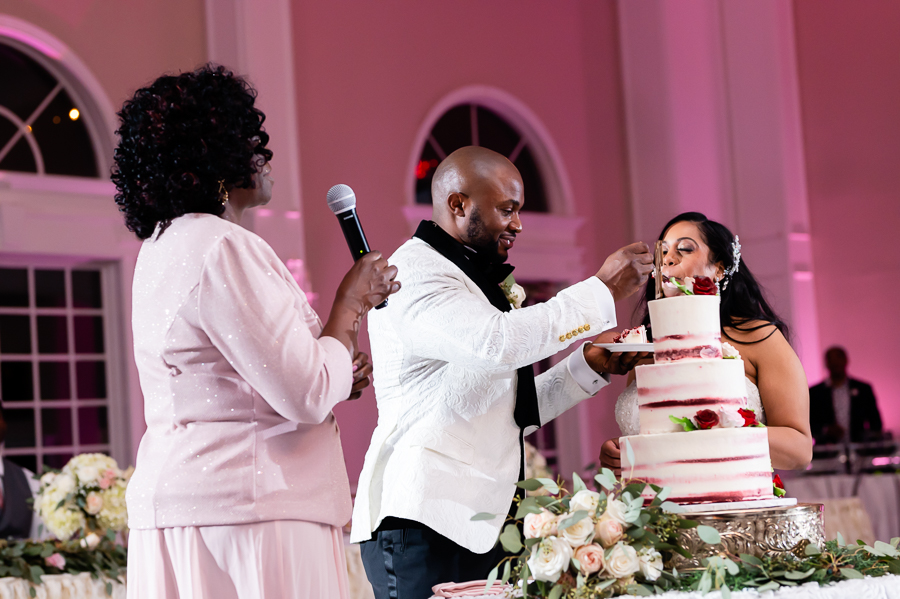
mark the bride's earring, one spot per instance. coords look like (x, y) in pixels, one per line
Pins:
(223, 193)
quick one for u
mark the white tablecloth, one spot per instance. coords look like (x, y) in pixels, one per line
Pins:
(879, 495)
(60, 586)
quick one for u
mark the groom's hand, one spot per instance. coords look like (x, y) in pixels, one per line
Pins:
(626, 270)
(604, 361)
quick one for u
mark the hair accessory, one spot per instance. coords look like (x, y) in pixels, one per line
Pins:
(736, 261)
(223, 193)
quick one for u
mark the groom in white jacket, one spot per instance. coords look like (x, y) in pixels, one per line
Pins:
(454, 383)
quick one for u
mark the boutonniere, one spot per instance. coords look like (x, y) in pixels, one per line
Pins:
(514, 292)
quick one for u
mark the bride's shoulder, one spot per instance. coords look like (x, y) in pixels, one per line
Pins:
(753, 332)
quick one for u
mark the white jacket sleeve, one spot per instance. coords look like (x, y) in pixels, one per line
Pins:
(439, 317)
(249, 312)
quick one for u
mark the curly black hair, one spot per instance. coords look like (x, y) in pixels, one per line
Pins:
(179, 138)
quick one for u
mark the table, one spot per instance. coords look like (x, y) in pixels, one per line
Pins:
(883, 587)
(60, 586)
(879, 495)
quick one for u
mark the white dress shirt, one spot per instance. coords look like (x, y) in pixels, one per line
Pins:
(446, 446)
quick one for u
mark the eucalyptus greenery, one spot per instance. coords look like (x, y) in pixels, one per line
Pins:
(28, 559)
(656, 526)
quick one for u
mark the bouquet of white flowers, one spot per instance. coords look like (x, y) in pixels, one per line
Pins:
(87, 496)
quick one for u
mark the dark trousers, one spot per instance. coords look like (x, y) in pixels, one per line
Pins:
(404, 563)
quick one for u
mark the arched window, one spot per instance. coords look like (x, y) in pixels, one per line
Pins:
(476, 125)
(43, 128)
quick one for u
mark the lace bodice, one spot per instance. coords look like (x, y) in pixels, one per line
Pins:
(627, 408)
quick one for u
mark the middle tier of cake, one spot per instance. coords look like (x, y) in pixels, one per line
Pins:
(728, 464)
(683, 388)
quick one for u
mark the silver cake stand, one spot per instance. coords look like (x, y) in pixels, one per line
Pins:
(774, 530)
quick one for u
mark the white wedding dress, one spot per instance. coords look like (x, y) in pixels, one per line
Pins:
(628, 418)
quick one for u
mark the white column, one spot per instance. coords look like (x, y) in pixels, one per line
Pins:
(713, 125)
(253, 38)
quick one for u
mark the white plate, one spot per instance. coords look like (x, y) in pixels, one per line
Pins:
(623, 347)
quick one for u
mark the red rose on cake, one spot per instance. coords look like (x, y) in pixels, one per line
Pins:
(749, 417)
(706, 419)
(704, 286)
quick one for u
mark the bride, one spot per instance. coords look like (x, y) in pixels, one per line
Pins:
(776, 384)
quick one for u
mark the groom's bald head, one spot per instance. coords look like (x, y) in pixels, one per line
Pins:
(477, 194)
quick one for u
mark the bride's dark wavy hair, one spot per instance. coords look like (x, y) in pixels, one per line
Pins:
(743, 300)
(180, 136)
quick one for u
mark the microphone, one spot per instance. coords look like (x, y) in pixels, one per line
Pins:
(342, 202)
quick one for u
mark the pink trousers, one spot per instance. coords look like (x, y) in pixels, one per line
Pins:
(278, 559)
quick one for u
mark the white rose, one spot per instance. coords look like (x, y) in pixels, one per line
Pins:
(651, 563)
(622, 560)
(47, 478)
(729, 351)
(65, 483)
(93, 503)
(608, 531)
(91, 541)
(616, 509)
(730, 418)
(516, 295)
(540, 525)
(87, 474)
(585, 500)
(579, 533)
(549, 559)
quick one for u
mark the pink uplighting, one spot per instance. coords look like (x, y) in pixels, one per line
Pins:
(292, 215)
(264, 212)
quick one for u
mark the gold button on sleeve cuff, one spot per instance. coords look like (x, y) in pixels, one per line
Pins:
(568, 335)
(562, 337)
(580, 329)
(587, 327)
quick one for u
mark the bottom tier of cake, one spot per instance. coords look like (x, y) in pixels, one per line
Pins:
(725, 464)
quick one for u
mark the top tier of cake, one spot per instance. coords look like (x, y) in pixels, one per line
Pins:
(685, 327)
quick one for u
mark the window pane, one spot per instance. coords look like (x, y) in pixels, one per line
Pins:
(19, 427)
(20, 158)
(65, 143)
(53, 338)
(14, 287)
(50, 288)
(54, 377)
(15, 337)
(454, 129)
(91, 377)
(56, 461)
(25, 82)
(29, 462)
(495, 133)
(86, 289)
(535, 197)
(428, 162)
(88, 334)
(93, 426)
(16, 383)
(56, 426)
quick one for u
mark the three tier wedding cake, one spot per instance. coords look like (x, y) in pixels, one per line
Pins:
(697, 435)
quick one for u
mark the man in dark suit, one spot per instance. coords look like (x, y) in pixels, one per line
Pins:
(842, 409)
(17, 487)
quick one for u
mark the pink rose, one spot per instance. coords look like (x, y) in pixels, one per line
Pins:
(93, 503)
(540, 525)
(56, 560)
(609, 531)
(590, 557)
(108, 477)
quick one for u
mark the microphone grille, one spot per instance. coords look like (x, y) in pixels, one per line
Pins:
(341, 198)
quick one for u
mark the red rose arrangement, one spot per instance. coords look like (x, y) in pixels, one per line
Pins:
(749, 417)
(704, 286)
(706, 419)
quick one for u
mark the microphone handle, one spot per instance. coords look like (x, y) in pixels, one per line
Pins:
(356, 238)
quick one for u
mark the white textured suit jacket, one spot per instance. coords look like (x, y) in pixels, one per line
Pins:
(446, 446)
